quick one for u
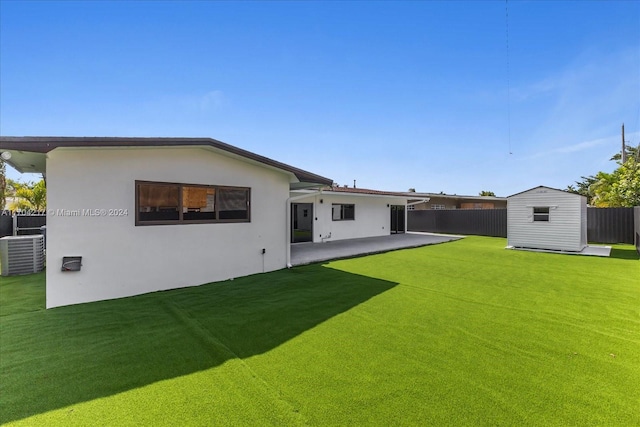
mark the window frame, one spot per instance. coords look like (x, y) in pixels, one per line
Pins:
(543, 216)
(181, 220)
(342, 205)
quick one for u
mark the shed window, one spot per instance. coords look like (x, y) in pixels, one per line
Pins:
(343, 212)
(541, 214)
(159, 203)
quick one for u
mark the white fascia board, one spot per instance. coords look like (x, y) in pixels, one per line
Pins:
(333, 193)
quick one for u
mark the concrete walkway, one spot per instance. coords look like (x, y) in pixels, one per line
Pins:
(307, 253)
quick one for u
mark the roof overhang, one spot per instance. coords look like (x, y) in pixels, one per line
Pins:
(28, 153)
(25, 161)
(416, 196)
(326, 192)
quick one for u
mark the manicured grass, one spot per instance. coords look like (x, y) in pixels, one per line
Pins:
(22, 293)
(462, 333)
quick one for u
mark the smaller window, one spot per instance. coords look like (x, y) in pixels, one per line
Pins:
(411, 207)
(343, 212)
(541, 214)
(437, 206)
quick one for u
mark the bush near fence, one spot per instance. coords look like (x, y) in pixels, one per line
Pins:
(604, 225)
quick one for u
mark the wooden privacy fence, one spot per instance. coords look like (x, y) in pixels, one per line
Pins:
(604, 225)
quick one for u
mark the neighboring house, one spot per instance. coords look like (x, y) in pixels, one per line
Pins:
(336, 213)
(149, 214)
(547, 218)
(448, 201)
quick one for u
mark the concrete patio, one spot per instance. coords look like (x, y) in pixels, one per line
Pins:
(307, 253)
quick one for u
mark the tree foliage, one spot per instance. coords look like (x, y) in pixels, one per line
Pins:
(632, 152)
(620, 188)
(583, 187)
(29, 196)
(487, 193)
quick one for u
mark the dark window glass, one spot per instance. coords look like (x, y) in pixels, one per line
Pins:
(541, 214)
(343, 212)
(164, 203)
(348, 212)
(233, 203)
(158, 202)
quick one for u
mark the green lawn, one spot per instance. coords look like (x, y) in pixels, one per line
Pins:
(462, 333)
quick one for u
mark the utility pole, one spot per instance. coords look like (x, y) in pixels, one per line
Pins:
(624, 149)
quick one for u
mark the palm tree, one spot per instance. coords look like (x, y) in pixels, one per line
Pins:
(31, 196)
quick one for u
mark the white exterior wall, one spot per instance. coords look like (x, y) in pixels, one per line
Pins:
(120, 259)
(567, 226)
(372, 216)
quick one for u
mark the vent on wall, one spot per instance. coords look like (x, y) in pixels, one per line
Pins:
(21, 254)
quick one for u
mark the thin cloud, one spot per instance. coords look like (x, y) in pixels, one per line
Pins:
(212, 100)
(586, 145)
(584, 103)
(542, 87)
(574, 148)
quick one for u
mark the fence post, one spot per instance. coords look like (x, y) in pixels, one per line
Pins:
(15, 224)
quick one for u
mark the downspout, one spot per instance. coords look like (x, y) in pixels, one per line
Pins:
(288, 216)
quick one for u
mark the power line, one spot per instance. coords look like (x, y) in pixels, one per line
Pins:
(506, 12)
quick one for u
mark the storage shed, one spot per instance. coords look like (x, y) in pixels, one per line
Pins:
(547, 218)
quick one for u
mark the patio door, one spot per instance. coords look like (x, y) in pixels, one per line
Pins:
(397, 219)
(301, 222)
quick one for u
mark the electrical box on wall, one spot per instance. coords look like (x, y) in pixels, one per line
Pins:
(71, 263)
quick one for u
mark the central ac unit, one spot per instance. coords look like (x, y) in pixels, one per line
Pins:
(22, 254)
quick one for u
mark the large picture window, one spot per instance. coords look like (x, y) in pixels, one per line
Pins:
(541, 214)
(343, 212)
(159, 203)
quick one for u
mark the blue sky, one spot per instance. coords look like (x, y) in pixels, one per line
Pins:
(392, 94)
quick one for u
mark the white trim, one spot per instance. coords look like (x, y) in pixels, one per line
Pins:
(335, 193)
(419, 201)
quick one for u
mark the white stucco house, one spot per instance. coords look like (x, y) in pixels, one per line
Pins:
(547, 218)
(337, 213)
(149, 214)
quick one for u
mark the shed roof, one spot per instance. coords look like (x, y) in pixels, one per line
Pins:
(32, 151)
(548, 188)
